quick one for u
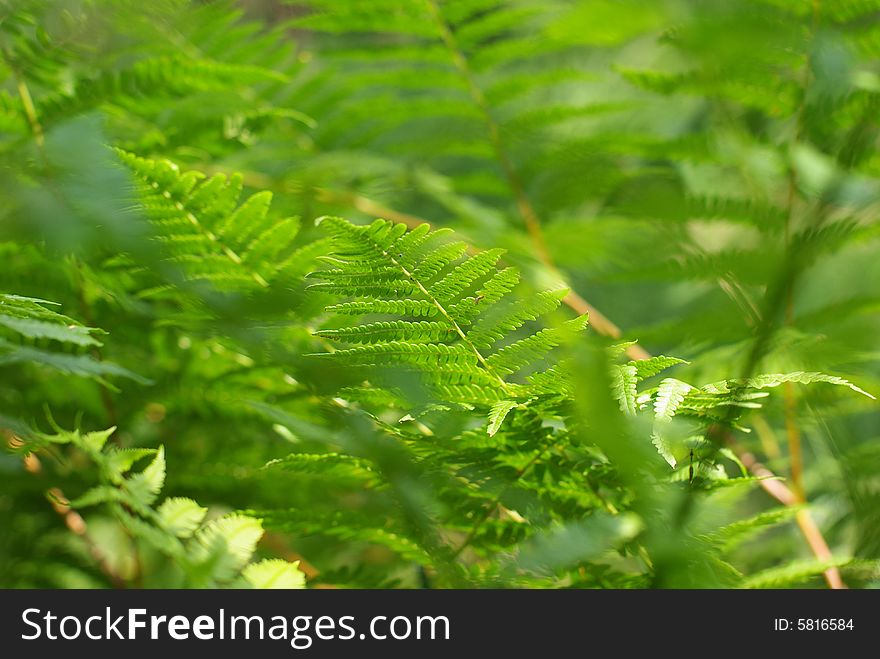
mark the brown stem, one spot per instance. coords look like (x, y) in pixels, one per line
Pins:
(778, 490)
(793, 434)
(74, 521)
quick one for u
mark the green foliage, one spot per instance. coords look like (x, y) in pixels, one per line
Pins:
(389, 270)
(36, 334)
(209, 233)
(209, 553)
(421, 400)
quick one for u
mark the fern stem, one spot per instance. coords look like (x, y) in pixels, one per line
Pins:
(793, 434)
(526, 210)
(27, 103)
(805, 522)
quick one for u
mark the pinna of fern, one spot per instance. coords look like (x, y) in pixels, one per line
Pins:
(211, 234)
(32, 332)
(435, 312)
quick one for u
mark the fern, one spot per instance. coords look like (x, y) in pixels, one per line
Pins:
(457, 355)
(211, 553)
(430, 412)
(738, 532)
(209, 232)
(28, 322)
(150, 78)
(791, 575)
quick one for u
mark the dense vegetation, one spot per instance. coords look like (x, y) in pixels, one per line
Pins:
(219, 368)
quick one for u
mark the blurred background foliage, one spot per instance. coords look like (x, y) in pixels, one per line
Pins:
(702, 173)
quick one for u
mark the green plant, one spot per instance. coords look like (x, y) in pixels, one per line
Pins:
(208, 553)
(430, 399)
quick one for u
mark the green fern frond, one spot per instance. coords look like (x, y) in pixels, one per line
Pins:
(667, 399)
(670, 395)
(453, 351)
(738, 532)
(497, 414)
(494, 326)
(646, 368)
(150, 78)
(513, 357)
(208, 231)
(776, 379)
(181, 516)
(791, 575)
(623, 386)
(332, 465)
(30, 318)
(274, 573)
(29, 322)
(420, 331)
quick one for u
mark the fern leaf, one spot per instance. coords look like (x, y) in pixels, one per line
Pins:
(418, 308)
(82, 365)
(495, 288)
(274, 573)
(493, 327)
(227, 544)
(424, 274)
(207, 230)
(646, 368)
(512, 358)
(417, 354)
(145, 486)
(670, 395)
(737, 532)
(623, 384)
(327, 465)
(30, 318)
(396, 330)
(776, 379)
(180, 516)
(792, 574)
(664, 447)
(120, 461)
(462, 276)
(497, 415)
